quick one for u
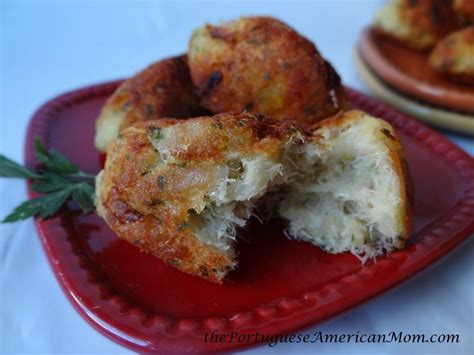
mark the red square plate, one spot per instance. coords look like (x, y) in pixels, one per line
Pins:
(280, 286)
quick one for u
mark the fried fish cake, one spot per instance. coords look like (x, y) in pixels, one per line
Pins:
(454, 56)
(360, 197)
(164, 89)
(262, 65)
(465, 8)
(418, 24)
(178, 189)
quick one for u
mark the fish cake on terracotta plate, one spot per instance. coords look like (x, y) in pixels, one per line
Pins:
(465, 8)
(418, 24)
(454, 56)
(164, 89)
(262, 65)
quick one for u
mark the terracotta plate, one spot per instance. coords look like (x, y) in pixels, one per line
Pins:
(443, 118)
(280, 286)
(408, 71)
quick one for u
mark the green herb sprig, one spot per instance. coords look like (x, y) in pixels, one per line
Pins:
(59, 180)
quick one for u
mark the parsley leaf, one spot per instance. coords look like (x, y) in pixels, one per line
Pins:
(50, 182)
(45, 206)
(10, 169)
(54, 160)
(83, 194)
(59, 180)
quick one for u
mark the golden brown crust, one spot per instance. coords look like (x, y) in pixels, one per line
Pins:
(397, 155)
(151, 197)
(178, 249)
(454, 56)
(262, 65)
(163, 89)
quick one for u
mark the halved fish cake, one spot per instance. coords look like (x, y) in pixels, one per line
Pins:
(358, 200)
(179, 189)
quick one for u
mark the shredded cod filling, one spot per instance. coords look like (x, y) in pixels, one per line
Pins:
(339, 195)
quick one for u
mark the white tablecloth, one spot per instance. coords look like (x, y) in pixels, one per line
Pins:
(48, 47)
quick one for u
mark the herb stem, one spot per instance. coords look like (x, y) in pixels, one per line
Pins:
(80, 175)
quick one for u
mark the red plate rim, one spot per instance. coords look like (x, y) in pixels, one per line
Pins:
(108, 314)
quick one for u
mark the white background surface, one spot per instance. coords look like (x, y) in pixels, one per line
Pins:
(51, 47)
